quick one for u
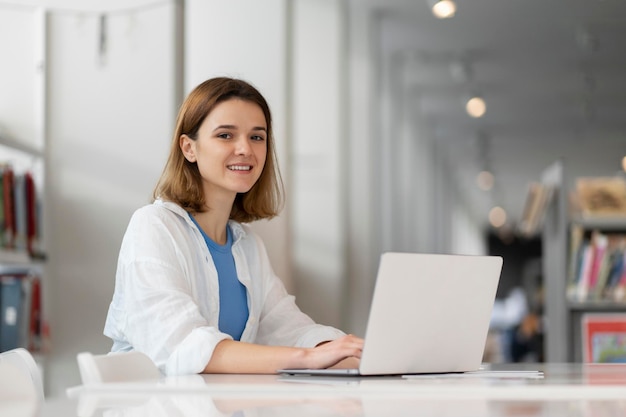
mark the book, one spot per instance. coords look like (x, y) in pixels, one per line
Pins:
(31, 213)
(21, 323)
(614, 267)
(619, 291)
(604, 337)
(575, 257)
(8, 205)
(2, 216)
(19, 203)
(596, 266)
(25, 310)
(582, 287)
(35, 322)
(10, 312)
(537, 200)
(599, 243)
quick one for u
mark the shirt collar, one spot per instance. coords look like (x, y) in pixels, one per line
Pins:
(238, 231)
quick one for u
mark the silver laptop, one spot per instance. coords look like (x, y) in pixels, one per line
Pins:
(430, 313)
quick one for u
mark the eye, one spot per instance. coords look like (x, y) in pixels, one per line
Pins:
(257, 138)
(224, 135)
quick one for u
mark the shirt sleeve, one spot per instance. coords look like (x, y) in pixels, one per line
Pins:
(282, 323)
(153, 304)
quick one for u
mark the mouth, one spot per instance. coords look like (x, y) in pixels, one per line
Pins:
(239, 167)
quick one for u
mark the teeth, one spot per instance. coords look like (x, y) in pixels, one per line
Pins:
(240, 167)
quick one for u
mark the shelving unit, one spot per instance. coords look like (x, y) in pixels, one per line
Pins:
(22, 268)
(11, 257)
(563, 315)
(578, 308)
(23, 146)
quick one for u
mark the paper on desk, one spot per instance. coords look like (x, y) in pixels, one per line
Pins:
(481, 374)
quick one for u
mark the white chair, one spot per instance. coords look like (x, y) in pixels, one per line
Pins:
(29, 382)
(116, 367)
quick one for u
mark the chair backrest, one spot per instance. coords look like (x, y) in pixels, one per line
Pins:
(116, 367)
(19, 363)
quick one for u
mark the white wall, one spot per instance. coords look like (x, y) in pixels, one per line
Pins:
(110, 121)
(362, 246)
(19, 72)
(296, 62)
(222, 39)
(318, 158)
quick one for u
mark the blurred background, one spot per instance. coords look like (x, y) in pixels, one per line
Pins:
(408, 125)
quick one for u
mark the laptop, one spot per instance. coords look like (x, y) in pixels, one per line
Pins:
(430, 313)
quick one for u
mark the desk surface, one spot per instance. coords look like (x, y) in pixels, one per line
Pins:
(564, 390)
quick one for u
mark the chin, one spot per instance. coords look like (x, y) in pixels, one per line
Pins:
(243, 190)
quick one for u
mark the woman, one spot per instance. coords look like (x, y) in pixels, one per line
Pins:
(194, 287)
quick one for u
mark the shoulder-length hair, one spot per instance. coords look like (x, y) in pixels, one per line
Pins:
(181, 182)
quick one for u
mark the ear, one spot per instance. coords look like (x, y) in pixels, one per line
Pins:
(187, 146)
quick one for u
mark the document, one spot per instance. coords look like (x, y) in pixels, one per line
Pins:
(481, 374)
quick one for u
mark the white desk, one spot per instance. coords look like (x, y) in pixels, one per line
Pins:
(565, 390)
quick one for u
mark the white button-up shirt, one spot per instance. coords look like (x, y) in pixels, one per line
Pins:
(166, 300)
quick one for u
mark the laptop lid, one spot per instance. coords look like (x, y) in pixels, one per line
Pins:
(430, 313)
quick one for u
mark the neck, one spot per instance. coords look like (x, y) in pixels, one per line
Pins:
(214, 218)
(213, 225)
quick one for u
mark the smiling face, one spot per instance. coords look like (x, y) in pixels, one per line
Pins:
(230, 149)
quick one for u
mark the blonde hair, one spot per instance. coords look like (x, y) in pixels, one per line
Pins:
(181, 182)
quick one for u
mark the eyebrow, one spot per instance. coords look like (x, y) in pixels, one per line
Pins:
(260, 128)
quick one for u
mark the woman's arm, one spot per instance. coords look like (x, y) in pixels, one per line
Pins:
(238, 357)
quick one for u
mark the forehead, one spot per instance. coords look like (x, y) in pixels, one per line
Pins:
(237, 111)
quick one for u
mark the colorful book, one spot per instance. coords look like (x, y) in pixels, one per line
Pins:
(9, 219)
(611, 253)
(31, 212)
(582, 288)
(34, 317)
(19, 204)
(604, 338)
(619, 293)
(2, 217)
(599, 244)
(615, 272)
(10, 312)
(575, 259)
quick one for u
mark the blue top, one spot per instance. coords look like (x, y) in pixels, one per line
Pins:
(233, 296)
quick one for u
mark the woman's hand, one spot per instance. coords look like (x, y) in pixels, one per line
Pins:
(344, 352)
(233, 357)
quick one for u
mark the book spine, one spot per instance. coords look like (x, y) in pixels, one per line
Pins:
(2, 209)
(21, 324)
(599, 244)
(9, 219)
(620, 290)
(31, 213)
(34, 317)
(19, 202)
(10, 312)
(582, 288)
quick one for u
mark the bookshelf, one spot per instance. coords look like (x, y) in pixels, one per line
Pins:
(12, 257)
(21, 254)
(567, 300)
(23, 279)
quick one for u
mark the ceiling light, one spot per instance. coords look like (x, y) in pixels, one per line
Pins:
(484, 180)
(476, 107)
(444, 9)
(497, 217)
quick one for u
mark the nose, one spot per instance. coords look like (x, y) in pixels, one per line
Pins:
(243, 146)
